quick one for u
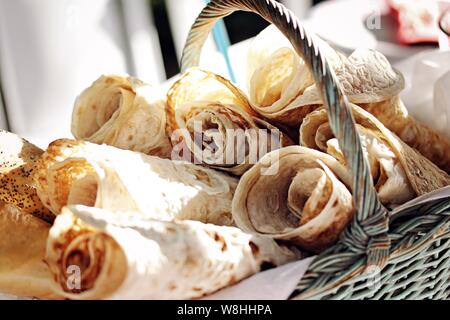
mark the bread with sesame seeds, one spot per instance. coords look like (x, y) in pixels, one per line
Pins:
(17, 163)
(23, 222)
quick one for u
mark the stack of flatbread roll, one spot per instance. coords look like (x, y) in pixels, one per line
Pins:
(179, 194)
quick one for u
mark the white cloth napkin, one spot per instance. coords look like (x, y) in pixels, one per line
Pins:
(274, 284)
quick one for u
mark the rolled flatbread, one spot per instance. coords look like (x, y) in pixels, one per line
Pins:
(23, 239)
(17, 160)
(400, 173)
(297, 195)
(120, 256)
(212, 123)
(123, 112)
(394, 115)
(102, 176)
(282, 88)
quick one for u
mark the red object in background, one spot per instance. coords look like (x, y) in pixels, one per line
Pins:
(417, 20)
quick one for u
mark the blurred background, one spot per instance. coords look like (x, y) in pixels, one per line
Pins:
(50, 50)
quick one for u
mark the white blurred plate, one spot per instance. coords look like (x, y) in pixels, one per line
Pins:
(352, 24)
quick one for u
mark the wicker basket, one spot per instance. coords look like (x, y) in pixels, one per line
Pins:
(379, 255)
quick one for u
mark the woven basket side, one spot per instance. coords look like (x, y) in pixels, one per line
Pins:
(418, 268)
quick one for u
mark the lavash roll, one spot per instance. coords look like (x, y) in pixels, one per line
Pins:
(212, 123)
(400, 172)
(431, 144)
(282, 88)
(124, 112)
(297, 195)
(75, 172)
(121, 256)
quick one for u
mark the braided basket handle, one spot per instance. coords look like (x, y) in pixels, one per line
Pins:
(371, 220)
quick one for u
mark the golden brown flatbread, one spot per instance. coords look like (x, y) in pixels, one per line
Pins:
(394, 115)
(17, 161)
(23, 226)
(23, 240)
(75, 172)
